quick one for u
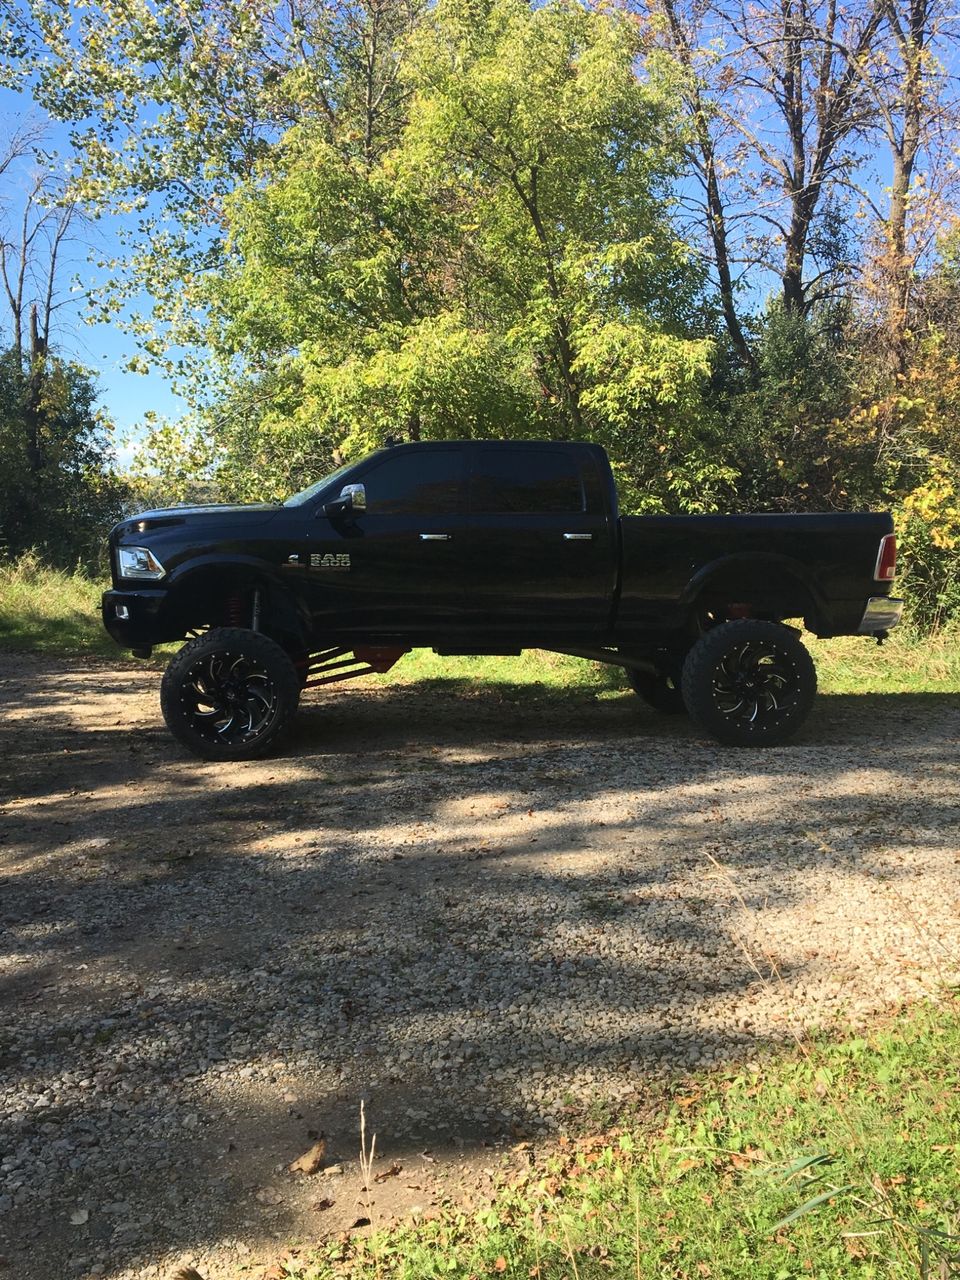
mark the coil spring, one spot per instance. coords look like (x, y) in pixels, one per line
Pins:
(235, 611)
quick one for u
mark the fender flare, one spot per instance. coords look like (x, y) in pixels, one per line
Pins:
(284, 604)
(777, 566)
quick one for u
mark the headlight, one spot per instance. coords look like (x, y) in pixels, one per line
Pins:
(139, 562)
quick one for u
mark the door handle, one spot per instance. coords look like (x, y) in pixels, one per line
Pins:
(434, 537)
(578, 537)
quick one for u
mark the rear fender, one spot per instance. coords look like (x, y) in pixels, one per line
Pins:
(761, 580)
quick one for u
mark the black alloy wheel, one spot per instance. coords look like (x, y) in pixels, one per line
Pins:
(749, 683)
(230, 694)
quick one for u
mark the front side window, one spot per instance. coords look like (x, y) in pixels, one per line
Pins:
(532, 481)
(321, 486)
(424, 482)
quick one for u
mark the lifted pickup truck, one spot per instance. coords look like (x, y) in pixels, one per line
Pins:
(488, 548)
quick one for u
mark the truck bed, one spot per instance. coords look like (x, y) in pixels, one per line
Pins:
(667, 560)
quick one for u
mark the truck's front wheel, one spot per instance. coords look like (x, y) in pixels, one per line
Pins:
(749, 683)
(230, 694)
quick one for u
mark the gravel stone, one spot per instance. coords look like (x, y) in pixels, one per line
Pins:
(475, 915)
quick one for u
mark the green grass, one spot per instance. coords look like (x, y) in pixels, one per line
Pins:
(906, 663)
(534, 669)
(51, 611)
(838, 1160)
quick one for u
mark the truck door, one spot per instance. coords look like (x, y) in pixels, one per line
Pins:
(395, 567)
(541, 549)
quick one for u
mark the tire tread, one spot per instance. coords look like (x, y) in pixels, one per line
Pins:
(697, 681)
(283, 672)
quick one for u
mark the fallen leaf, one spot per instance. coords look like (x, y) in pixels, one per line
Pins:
(388, 1173)
(79, 1217)
(500, 1264)
(741, 1159)
(311, 1160)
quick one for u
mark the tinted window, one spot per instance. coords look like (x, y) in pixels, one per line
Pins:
(528, 480)
(421, 483)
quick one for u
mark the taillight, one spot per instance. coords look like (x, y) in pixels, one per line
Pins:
(886, 569)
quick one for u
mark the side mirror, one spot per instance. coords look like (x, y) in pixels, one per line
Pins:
(353, 497)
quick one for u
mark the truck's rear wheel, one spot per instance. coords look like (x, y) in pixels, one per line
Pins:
(749, 683)
(658, 691)
(230, 694)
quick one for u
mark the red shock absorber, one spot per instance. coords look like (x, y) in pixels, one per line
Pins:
(234, 611)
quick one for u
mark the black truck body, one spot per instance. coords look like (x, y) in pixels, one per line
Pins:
(490, 547)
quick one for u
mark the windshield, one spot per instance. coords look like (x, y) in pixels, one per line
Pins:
(305, 495)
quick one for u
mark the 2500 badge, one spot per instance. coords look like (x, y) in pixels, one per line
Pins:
(330, 561)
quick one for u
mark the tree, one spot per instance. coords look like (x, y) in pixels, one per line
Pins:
(173, 104)
(705, 152)
(56, 491)
(55, 494)
(917, 118)
(781, 100)
(508, 268)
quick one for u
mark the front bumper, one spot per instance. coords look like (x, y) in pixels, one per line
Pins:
(882, 613)
(135, 618)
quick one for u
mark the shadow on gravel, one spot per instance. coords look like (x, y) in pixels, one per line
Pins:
(201, 964)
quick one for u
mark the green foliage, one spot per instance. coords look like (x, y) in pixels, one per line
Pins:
(492, 256)
(781, 428)
(56, 611)
(56, 493)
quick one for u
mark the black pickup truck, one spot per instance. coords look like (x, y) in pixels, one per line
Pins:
(488, 548)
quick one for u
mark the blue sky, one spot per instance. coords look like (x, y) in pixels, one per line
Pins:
(103, 348)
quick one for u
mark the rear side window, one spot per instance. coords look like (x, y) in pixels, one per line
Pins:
(422, 482)
(524, 480)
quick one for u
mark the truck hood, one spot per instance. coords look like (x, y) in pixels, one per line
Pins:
(249, 513)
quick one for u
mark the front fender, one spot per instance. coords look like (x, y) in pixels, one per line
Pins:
(206, 582)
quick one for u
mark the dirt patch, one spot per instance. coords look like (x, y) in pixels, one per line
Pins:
(475, 908)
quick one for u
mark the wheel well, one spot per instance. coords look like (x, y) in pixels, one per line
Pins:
(238, 598)
(745, 590)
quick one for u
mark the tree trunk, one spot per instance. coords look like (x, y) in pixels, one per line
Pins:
(898, 269)
(714, 204)
(33, 402)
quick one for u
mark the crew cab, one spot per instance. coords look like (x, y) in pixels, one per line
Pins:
(488, 547)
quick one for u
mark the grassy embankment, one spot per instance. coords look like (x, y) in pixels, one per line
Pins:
(837, 1160)
(49, 611)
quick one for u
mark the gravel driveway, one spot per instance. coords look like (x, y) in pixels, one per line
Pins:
(476, 909)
